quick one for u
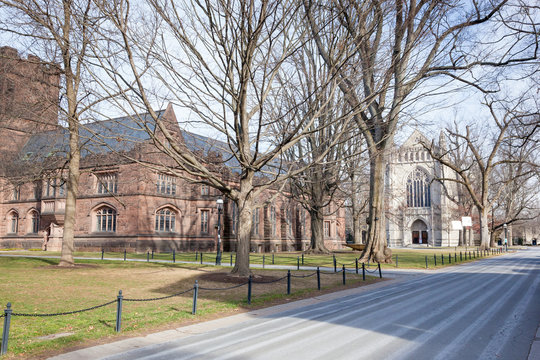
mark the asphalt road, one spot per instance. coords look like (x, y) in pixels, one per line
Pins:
(489, 309)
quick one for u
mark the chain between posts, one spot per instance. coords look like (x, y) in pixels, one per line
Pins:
(162, 297)
(223, 289)
(64, 313)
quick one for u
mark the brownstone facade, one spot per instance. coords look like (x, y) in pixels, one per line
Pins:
(121, 204)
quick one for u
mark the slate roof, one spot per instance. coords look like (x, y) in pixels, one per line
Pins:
(116, 135)
(120, 134)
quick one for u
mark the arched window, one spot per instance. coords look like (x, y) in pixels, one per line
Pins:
(106, 219)
(13, 223)
(33, 226)
(165, 220)
(418, 190)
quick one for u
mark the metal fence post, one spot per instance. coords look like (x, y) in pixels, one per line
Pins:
(147, 256)
(318, 278)
(426, 262)
(364, 271)
(455, 257)
(380, 273)
(435, 259)
(195, 295)
(288, 282)
(449, 258)
(272, 258)
(152, 254)
(231, 258)
(263, 261)
(201, 257)
(124, 254)
(173, 256)
(396, 260)
(335, 264)
(442, 259)
(102, 252)
(5, 331)
(298, 263)
(356, 264)
(249, 290)
(119, 311)
(302, 259)
(343, 269)
(196, 255)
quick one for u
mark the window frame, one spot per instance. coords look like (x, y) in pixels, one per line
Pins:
(165, 220)
(107, 183)
(204, 221)
(111, 218)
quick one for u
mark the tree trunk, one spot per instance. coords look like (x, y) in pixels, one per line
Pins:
(68, 242)
(243, 241)
(357, 228)
(484, 228)
(317, 232)
(376, 248)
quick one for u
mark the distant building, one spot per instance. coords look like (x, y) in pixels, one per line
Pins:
(121, 204)
(419, 209)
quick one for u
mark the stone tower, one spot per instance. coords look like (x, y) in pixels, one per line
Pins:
(29, 90)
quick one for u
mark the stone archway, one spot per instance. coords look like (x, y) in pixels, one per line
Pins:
(419, 231)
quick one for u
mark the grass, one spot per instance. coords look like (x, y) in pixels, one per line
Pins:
(37, 285)
(403, 258)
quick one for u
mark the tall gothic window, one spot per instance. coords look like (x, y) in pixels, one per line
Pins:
(107, 183)
(255, 223)
(418, 190)
(273, 219)
(165, 220)
(16, 195)
(204, 221)
(13, 225)
(34, 224)
(166, 184)
(106, 219)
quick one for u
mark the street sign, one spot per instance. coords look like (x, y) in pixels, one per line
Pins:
(466, 221)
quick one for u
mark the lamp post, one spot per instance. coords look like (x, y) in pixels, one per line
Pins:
(219, 204)
(505, 237)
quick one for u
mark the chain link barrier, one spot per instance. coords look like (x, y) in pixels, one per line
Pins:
(161, 298)
(270, 282)
(372, 271)
(64, 313)
(304, 276)
(223, 289)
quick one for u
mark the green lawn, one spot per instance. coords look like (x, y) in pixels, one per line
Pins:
(401, 258)
(37, 286)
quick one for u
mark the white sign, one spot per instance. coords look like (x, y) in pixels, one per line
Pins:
(466, 221)
(456, 225)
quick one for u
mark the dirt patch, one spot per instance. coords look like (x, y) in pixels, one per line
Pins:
(227, 278)
(76, 266)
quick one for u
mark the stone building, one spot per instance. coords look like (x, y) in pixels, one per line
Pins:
(419, 209)
(121, 204)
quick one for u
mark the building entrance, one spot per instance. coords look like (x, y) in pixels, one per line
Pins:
(419, 232)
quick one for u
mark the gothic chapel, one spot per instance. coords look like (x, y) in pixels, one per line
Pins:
(420, 211)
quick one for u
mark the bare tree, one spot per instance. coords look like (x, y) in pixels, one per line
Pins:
(219, 63)
(61, 31)
(387, 51)
(477, 176)
(321, 151)
(518, 201)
